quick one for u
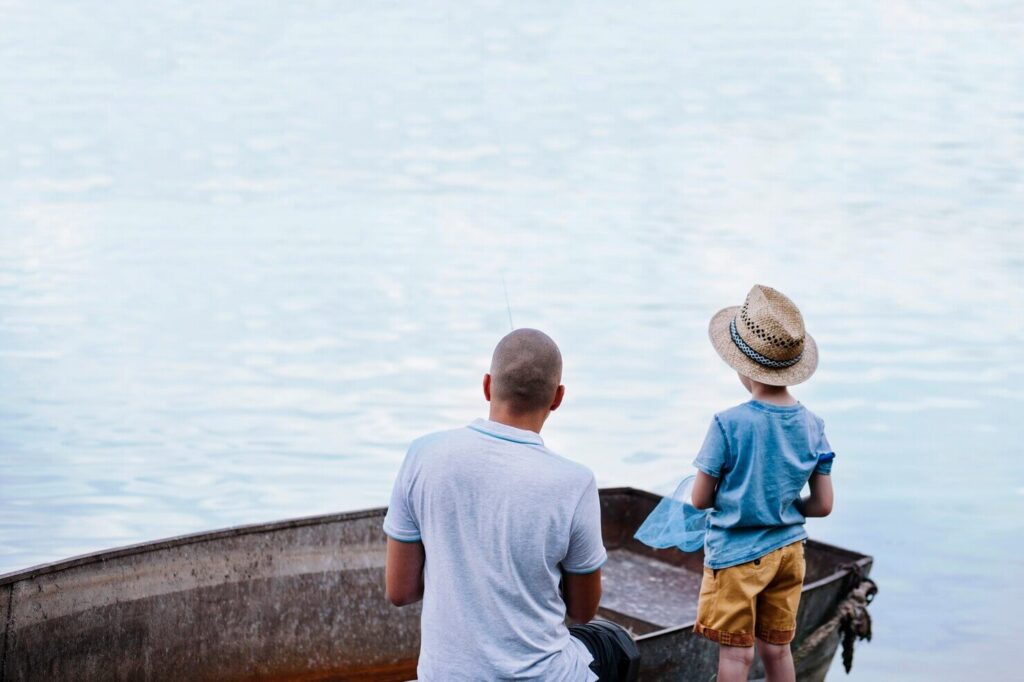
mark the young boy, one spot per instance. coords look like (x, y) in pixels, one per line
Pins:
(755, 461)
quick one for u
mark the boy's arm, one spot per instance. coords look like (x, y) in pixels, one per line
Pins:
(819, 502)
(703, 495)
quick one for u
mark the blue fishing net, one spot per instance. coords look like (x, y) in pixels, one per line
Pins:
(675, 522)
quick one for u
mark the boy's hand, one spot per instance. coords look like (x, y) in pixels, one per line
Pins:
(703, 495)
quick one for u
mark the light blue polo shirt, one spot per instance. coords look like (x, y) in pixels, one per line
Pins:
(764, 455)
(498, 515)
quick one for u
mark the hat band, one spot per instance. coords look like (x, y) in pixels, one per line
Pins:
(757, 357)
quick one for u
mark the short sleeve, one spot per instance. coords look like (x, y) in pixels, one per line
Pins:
(712, 456)
(825, 455)
(586, 551)
(400, 521)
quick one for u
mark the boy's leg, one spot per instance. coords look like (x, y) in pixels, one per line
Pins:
(726, 613)
(778, 662)
(725, 609)
(734, 663)
(777, 608)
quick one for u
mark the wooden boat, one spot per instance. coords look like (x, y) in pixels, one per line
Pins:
(304, 600)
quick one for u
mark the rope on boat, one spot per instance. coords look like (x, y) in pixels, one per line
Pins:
(851, 618)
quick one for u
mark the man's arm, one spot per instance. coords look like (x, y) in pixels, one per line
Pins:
(582, 594)
(404, 573)
(581, 566)
(819, 502)
(703, 494)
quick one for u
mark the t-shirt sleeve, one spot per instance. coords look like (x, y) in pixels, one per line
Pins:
(712, 456)
(586, 551)
(825, 454)
(400, 521)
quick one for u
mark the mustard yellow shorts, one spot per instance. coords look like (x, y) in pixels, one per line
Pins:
(759, 598)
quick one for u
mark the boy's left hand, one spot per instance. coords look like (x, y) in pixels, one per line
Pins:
(703, 495)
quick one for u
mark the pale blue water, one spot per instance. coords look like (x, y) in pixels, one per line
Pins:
(248, 251)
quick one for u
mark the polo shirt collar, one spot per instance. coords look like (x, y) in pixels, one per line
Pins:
(506, 432)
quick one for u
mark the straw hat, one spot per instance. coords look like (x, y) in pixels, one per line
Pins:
(764, 339)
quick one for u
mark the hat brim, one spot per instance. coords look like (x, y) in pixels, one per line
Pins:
(721, 339)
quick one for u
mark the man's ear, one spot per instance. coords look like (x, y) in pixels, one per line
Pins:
(487, 387)
(559, 394)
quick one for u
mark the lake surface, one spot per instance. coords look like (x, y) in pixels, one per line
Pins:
(249, 251)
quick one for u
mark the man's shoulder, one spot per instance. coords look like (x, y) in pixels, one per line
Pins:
(439, 437)
(568, 467)
(466, 438)
(440, 440)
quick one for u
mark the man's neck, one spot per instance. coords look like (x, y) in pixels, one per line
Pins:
(529, 421)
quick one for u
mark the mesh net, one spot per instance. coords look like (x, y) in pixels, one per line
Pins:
(675, 522)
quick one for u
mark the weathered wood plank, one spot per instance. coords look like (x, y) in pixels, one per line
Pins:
(5, 617)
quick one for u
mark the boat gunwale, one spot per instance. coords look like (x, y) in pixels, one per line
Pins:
(198, 537)
(321, 519)
(182, 540)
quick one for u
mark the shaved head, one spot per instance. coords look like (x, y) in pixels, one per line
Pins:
(526, 370)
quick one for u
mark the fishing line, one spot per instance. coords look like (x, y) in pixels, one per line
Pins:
(508, 305)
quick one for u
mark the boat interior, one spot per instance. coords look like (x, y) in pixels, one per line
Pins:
(650, 590)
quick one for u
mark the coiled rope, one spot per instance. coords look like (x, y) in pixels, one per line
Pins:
(851, 618)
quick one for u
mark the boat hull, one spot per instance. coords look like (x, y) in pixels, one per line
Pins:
(304, 600)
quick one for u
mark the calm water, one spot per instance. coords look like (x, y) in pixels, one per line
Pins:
(247, 252)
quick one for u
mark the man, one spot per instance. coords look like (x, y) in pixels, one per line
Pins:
(485, 522)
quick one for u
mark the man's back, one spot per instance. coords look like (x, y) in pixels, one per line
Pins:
(497, 514)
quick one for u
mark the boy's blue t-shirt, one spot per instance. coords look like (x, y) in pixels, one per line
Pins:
(764, 455)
